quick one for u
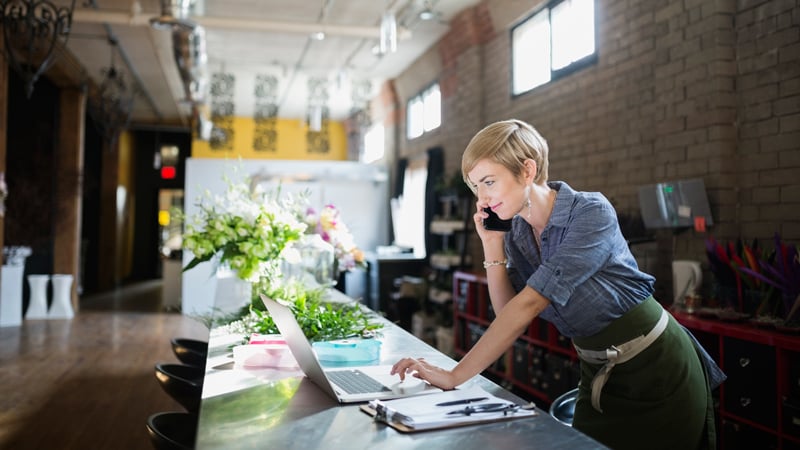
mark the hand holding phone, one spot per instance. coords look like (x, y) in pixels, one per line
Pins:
(494, 222)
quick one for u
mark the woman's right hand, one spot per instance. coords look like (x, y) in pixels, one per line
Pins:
(486, 236)
(419, 368)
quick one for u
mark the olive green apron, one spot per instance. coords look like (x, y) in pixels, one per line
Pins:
(660, 399)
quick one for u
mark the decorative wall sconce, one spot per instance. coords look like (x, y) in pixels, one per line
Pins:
(112, 106)
(222, 111)
(318, 114)
(32, 31)
(266, 114)
(360, 95)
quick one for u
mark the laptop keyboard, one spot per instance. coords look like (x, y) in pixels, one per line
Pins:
(355, 381)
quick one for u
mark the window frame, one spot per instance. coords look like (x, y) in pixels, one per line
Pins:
(557, 74)
(420, 98)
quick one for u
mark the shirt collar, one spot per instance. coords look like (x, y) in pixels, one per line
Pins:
(565, 197)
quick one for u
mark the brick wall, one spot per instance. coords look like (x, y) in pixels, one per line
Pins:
(680, 89)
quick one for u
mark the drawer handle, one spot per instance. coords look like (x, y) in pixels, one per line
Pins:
(744, 401)
(744, 362)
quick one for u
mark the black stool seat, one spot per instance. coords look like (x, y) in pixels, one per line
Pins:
(182, 382)
(563, 407)
(190, 351)
(172, 430)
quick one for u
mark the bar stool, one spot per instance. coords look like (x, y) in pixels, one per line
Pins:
(190, 351)
(563, 407)
(172, 430)
(184, 383)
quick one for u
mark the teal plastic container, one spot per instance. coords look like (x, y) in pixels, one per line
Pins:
(348, 351)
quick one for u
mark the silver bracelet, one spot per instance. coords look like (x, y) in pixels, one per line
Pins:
(487, 264)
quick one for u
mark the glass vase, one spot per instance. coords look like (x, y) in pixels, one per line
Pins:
(232, 293)
(314, 264)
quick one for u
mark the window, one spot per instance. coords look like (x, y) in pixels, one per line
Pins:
(374, 144)
(554, 41)
(408, 209)
(424, 112)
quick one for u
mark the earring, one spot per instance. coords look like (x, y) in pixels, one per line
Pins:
(528, 199)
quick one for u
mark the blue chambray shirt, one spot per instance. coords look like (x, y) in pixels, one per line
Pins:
(586, 268)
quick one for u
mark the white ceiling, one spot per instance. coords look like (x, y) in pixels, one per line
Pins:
(246, 38)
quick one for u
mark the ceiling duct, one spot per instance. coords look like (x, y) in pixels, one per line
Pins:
(188, 45)
(189, 49)
(173, 13)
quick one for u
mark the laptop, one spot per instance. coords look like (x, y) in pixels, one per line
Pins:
(336, 382)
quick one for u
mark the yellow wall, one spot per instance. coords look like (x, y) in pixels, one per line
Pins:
(291, 142)
(126, 179)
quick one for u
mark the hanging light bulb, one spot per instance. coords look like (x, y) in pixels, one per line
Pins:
(111, 107)
(388, 33)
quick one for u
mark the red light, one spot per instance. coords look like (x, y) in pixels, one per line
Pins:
(167, 172)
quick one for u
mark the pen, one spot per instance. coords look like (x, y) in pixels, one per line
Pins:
(463, 401)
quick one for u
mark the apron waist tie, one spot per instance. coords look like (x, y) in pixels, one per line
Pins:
(618, 354)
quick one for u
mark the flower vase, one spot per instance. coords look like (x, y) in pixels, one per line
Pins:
(232, 292)
(62, 297)
(317, 258)
(37, 305)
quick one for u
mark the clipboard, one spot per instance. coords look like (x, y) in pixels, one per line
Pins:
(463, 408)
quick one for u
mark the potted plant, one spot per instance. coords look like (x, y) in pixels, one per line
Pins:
(782, 272)
(736, 288)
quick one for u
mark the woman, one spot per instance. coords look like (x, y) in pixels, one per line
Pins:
(645, 382)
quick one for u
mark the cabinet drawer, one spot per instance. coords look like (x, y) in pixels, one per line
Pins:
(736, 436)
(794, 375)
(749, 362)
(475, 333)
(791, 418)
(558, 375)
(750, 390)
(522, 360)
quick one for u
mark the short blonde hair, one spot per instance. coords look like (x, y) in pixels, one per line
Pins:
(508, 143)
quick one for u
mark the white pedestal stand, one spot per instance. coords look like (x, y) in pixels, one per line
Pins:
(37, 307)
(11, 296)
(62, 297)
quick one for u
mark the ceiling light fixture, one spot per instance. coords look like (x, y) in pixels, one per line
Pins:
(427, 12)
(32, 30)
(388, 42)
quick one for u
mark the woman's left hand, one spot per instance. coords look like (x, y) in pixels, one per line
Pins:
(419, 368)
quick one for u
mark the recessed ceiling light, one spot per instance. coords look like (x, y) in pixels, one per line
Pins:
(427, 14)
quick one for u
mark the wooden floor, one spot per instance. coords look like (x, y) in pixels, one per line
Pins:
(88, 382)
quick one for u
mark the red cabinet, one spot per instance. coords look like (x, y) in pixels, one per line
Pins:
(759, 403)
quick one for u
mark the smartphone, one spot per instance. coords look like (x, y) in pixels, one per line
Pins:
(495, 223)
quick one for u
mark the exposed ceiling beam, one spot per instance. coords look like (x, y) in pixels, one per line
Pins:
(132, 19)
